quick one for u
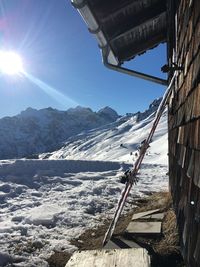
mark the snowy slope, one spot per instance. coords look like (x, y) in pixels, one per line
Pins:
(45, 203)
(36, 131)
(118, 140)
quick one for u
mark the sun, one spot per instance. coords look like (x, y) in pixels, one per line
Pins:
(10, 63)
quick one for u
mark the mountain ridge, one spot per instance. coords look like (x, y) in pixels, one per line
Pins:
(118, 141)
(36, 131)
(46, 130)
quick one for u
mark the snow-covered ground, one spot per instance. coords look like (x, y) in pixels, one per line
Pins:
(117, 141)
(47, 202)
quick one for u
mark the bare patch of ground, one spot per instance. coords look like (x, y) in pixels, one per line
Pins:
(59, 259)
(164, 250)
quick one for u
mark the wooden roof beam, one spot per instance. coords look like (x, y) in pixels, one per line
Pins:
(131, 51)
(137, 22)
(137, 28)
(134, 11)
(106, 7)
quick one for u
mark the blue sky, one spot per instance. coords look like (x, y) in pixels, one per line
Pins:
(59, 53)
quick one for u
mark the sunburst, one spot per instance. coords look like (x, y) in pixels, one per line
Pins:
(10, 63)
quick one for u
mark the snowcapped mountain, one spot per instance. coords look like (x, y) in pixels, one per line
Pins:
(36, 131)
(118, 140)
(108, 113)
(47, 203)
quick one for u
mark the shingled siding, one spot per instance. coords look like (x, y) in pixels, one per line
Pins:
(184, 131)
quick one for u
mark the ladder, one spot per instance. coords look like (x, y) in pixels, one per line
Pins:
(130, 175)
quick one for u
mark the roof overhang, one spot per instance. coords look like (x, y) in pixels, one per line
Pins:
(124, 28)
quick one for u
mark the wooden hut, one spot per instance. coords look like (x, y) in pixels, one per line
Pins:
(184, 125)
(126, 28)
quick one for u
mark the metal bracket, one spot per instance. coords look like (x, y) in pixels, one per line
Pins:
(94, 31)
(166, 68)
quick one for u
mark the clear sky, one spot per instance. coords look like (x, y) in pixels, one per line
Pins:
(63, 62)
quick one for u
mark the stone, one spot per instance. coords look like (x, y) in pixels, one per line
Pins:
(144, 228)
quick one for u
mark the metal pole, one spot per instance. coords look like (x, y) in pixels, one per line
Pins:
(132, 173)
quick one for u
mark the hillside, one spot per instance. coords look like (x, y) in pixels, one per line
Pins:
(36, 131)
(118, 140)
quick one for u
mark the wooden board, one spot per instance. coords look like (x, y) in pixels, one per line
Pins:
(157, 216)
(130, 243)
(142, 214)
(111, 245)
(144, 228)
(133, 257)
(120, 242)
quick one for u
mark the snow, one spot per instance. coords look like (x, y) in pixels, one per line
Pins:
(117, 141)
(36, 131)
(109, 113)
(47, 202)
(52, 202)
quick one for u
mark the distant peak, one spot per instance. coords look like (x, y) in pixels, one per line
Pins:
(108, 112)
(152, 108)
(28, 111)
(31, 112)
(79, 109)
(49, 108)
(107, 109)
(155, 103)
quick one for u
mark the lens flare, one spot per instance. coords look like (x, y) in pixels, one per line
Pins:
(49, 90)
(10, 63)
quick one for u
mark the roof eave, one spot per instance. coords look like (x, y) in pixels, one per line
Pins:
(94, 28)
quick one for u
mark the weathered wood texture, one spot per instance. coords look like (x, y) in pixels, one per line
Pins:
(120, 242)
(144, 228)
(184, 130)
(134, 257)
(131, 27)
(143, 214)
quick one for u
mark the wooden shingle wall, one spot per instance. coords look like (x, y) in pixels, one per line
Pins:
(184, 131)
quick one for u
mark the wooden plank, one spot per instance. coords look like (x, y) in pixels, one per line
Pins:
(157, 216)
(120, 242)
(134, 257)
(190, 170)
(196, 178)
(111, 245)
(144, 228)
(135, 20)
(142, 214)
(130, 243)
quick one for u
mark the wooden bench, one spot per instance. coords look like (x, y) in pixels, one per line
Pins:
(133, 257)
